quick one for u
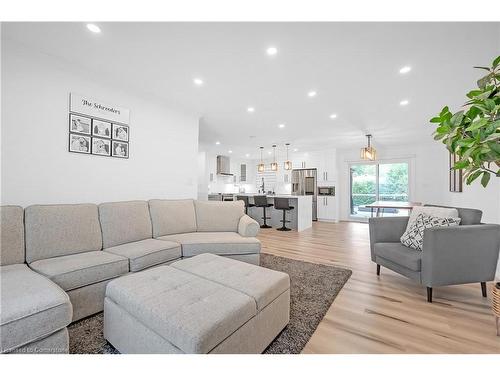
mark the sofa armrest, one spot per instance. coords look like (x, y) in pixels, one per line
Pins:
(460, 254)
(248, 227)
(386, 229)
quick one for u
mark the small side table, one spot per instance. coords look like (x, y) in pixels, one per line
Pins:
(496, 305)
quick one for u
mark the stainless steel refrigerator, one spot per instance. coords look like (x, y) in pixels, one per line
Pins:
(304, 182)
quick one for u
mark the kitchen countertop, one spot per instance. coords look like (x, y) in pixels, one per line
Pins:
(290, 196)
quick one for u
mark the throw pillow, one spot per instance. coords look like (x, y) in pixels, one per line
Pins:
(431, 211)
(414, 236)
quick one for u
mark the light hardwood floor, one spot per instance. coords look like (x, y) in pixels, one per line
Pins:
(386, 313)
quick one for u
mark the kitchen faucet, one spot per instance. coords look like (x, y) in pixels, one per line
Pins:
(263, 186)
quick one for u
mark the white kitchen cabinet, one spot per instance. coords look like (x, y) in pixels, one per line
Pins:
(327, 169)
(326, 208)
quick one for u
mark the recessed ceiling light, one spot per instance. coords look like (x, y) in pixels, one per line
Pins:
(251, 109)
(247, 155)
(271, 51)
(198, 81)
(312, 94)
(217, 143)
(230, 151)
(295, 149)
(333, 116)
(94, 28)
(281, 126)
(404, 102)
(405, 69)
(269, 152)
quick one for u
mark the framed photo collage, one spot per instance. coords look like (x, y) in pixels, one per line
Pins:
(88, 135)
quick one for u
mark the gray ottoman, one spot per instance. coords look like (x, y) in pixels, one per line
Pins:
(203, 304)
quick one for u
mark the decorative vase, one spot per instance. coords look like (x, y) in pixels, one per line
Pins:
(496, 304)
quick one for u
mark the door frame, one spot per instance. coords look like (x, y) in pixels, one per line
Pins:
(411, 180)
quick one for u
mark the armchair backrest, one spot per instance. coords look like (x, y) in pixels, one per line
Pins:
(469, 216)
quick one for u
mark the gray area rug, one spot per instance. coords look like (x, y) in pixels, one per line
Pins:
(313, 289)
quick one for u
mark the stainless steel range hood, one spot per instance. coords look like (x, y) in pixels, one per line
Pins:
(223, 165)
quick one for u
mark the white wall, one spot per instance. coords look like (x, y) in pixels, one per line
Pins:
(36, 164)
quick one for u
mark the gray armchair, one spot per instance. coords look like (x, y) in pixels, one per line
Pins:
(462, 254)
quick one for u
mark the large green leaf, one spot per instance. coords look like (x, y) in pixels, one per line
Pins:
(495, 146)
(473, 176)
(477, 124)
(485, 179)
(458, 117)
(496, 62)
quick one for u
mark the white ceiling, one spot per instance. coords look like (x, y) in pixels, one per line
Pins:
(354, 67)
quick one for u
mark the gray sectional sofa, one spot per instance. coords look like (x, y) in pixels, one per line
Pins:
(75, 250)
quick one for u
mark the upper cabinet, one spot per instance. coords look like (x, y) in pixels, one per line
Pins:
(324, 161)
(327, 169)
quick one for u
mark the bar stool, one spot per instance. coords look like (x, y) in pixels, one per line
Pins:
(245, 200)
(261, 201)
(283, 204)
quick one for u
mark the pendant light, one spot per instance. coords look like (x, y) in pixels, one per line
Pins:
(288, 163)
(274, 165)
(261, 165)
(368, 152)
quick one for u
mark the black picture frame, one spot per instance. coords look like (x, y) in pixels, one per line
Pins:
(113, 148)
(106, 141)
(115, 127)
(96, 122)
(456, 175)
(75, 135)
(74, 117)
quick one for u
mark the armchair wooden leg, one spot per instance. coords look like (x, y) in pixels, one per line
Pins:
(429, 294)
(483, 288)
(378, 269)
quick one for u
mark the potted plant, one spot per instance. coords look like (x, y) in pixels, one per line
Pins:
(473, 133)
(496, 305)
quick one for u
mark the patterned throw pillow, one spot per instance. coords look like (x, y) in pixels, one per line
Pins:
(414, 236)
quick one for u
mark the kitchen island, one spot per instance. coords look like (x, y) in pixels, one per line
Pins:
(300, 217)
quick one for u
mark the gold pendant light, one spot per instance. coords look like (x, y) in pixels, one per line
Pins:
(368, 152)
(261, 165)
(274, 165)
(288, 163)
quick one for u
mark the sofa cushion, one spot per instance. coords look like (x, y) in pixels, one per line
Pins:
(172, 216)
(32, 307)
(218, 216)
(78, 270)
(123, 222)
(147, 253)
(399, 254)
(221, 243)
(262, 284)
(55, 230)
(192, 313)
(11, 235)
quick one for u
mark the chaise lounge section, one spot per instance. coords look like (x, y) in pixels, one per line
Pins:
(34, 311)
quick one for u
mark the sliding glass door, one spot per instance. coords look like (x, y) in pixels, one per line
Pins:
(377, 182)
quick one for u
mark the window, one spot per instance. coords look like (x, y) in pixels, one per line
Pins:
(377, 182)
